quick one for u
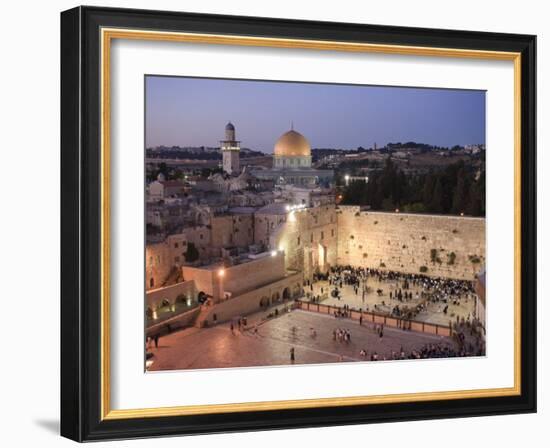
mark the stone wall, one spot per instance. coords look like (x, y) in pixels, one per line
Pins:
(154, 298)
(254, 300)
(308, 238)
(158, 264)
(236, 279)
(205, 279)
(447, 246)
(253, 274)
(232, 230)
(182, 320)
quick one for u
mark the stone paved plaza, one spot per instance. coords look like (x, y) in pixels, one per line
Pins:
(218, 346)
(434, 314)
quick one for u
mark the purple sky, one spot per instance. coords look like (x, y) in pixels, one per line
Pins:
(194, 111)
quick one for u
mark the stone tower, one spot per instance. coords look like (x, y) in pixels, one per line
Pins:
(230, 151)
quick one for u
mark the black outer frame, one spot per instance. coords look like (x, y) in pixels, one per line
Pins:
(80, 224)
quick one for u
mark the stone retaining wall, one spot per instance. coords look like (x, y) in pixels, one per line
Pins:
(447, 246)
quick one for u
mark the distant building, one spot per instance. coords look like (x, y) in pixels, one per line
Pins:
(230, 151)
(162, 189)
(292, 164)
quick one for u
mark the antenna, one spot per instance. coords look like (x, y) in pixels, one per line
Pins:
(292, 125)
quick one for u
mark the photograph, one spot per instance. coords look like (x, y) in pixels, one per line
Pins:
(293, 223)
(274, 222)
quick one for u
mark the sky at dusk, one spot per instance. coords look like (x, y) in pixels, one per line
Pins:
(194, 111)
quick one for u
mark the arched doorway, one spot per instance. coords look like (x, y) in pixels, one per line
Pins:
(286, 293)
(202, 297)
(322, 257)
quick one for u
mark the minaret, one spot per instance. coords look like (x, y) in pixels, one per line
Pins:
(230, 150)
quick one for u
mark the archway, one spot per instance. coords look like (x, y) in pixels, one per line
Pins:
(202, 297)
(322, 257)
(286, 293)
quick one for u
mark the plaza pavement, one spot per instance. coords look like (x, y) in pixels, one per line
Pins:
(218, 347)
(434, 314)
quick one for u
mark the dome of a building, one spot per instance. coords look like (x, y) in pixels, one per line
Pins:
(229, 127)
(292, 143)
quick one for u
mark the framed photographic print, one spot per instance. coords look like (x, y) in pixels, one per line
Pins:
(276, 224)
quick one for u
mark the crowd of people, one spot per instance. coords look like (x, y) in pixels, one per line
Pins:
(341, 335)
(427, 351)
(414, 292)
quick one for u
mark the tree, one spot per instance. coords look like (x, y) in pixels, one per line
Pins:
(460, 196)
(192, 253)
(455, 189)
(436, 201)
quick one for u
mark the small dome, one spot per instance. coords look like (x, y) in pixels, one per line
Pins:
(292, 143)
(229, 127)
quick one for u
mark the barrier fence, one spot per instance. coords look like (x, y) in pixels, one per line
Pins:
(369, 316)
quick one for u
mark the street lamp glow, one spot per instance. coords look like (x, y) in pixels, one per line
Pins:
(273, 253)
(221, 272)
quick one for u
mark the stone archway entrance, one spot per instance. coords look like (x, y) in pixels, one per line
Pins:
(322, 257)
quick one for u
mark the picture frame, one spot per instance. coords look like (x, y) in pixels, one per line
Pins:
(86, 37)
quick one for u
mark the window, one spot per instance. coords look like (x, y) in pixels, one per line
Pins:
(299, 241)
(177, 259)
(311, 238)
(322, 235)
(176, 245)
(332, 232)
(151, 282)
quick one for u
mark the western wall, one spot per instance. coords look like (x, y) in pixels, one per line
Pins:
(446, 246)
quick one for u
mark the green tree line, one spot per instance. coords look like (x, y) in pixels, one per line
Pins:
(455, 189)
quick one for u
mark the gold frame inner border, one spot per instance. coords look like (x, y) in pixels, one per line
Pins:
(107, 36)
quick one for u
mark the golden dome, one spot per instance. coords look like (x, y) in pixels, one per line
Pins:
(292, 143)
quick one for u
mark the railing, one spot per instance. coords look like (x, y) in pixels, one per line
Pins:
(376, 318)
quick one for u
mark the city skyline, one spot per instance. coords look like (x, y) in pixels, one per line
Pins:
(182, 111)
